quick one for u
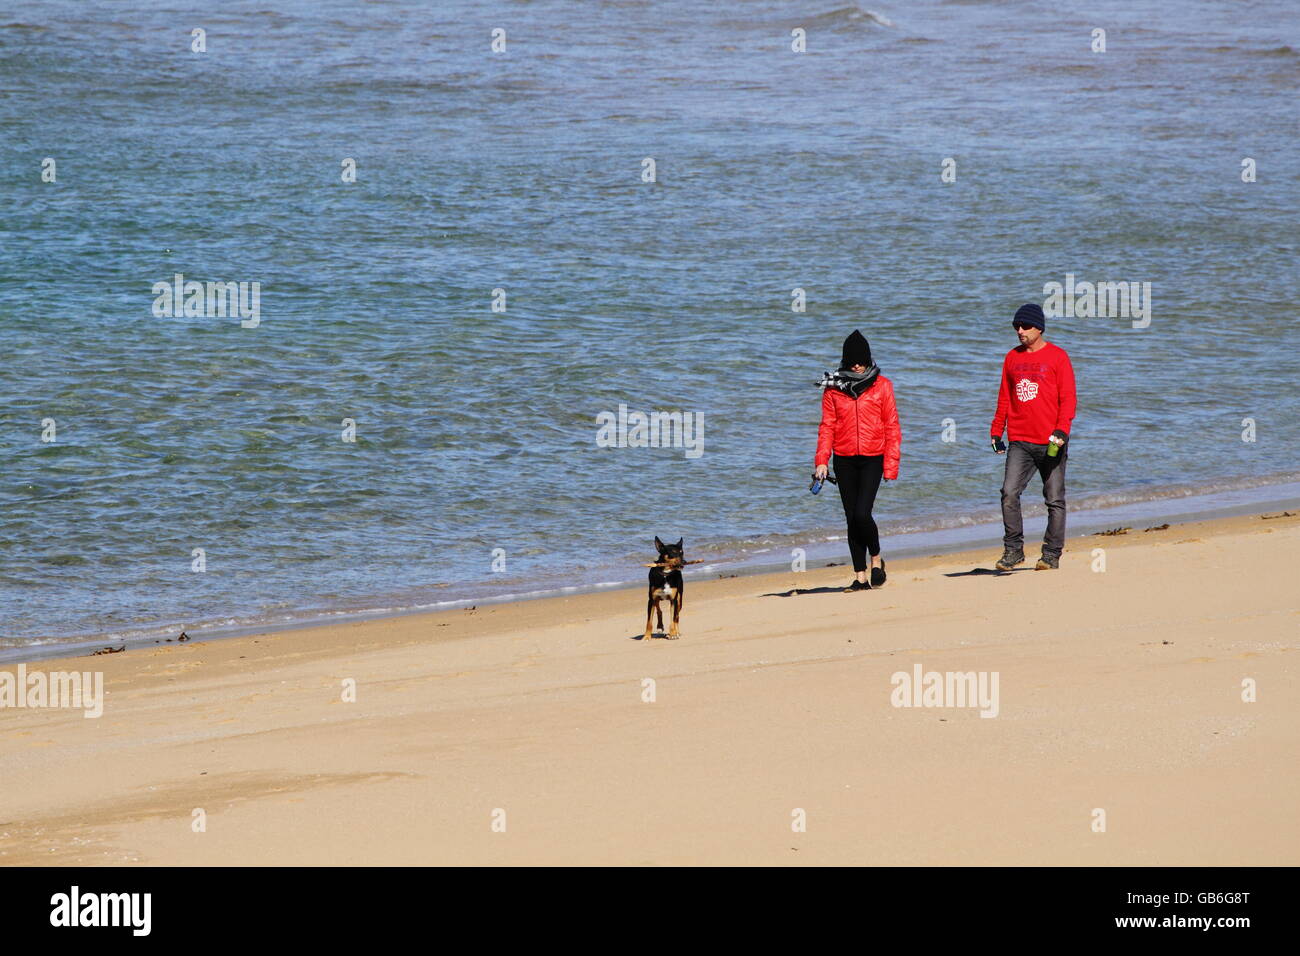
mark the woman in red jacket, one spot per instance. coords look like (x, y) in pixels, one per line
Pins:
(860, 425)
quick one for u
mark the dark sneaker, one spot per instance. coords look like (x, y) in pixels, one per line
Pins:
(1010, 559)
(857, 586)
(878, 575)
(1048, 562)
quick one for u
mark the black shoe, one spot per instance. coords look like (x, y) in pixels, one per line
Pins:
(878, 575)
(1048, 562)
(1010, 559)
(857, 586)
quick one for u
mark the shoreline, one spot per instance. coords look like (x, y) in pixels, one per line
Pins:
(1235, 501)
(1120, 690)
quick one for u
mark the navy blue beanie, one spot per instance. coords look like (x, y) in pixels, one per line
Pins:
(1030, 314)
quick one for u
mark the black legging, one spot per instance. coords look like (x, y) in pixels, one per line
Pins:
(859, 480)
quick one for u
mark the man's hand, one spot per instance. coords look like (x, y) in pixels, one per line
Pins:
(820, 472)
(1059, 437)
(998, 444)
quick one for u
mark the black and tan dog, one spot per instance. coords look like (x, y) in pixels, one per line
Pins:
(665, 585)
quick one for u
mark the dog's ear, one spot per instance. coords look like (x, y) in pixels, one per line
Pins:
(679, 542)
(658, 544)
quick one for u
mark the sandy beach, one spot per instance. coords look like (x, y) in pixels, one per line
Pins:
(524, 733)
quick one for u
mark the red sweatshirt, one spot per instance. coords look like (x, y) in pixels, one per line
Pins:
(1036, 396)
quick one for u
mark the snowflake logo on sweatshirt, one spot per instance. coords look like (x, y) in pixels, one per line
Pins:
(1026, 390)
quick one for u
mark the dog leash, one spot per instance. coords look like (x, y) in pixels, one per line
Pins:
(816, 485)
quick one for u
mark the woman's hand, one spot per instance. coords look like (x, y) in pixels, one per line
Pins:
(820, 472)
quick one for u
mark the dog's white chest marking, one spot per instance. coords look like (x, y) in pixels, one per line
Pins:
(665, 593)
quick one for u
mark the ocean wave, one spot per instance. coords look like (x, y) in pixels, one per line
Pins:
(848, 15)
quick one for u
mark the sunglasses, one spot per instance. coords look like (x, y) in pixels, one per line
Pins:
(1022, 325)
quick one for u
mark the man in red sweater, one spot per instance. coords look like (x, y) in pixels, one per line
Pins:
(1036, 404)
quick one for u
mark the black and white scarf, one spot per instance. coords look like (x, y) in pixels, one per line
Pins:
(850, 383)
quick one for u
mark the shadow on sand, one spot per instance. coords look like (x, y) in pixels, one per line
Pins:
(798, 591)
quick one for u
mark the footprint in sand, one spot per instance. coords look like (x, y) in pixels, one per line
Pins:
(179, 668)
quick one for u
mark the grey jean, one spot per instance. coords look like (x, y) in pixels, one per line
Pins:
(1023, 458)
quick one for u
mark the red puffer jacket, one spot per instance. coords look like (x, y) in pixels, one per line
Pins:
(866, 425)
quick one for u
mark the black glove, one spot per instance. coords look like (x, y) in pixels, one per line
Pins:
(1061, 436)
(998, 444)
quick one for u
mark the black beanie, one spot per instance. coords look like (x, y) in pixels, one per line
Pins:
(1030, 314)
(856, 351)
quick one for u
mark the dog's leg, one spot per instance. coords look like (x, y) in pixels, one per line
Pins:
(649, 616)
(677, 612)
(659, 614)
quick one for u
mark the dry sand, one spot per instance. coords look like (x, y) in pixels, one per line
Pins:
(1119, 691)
